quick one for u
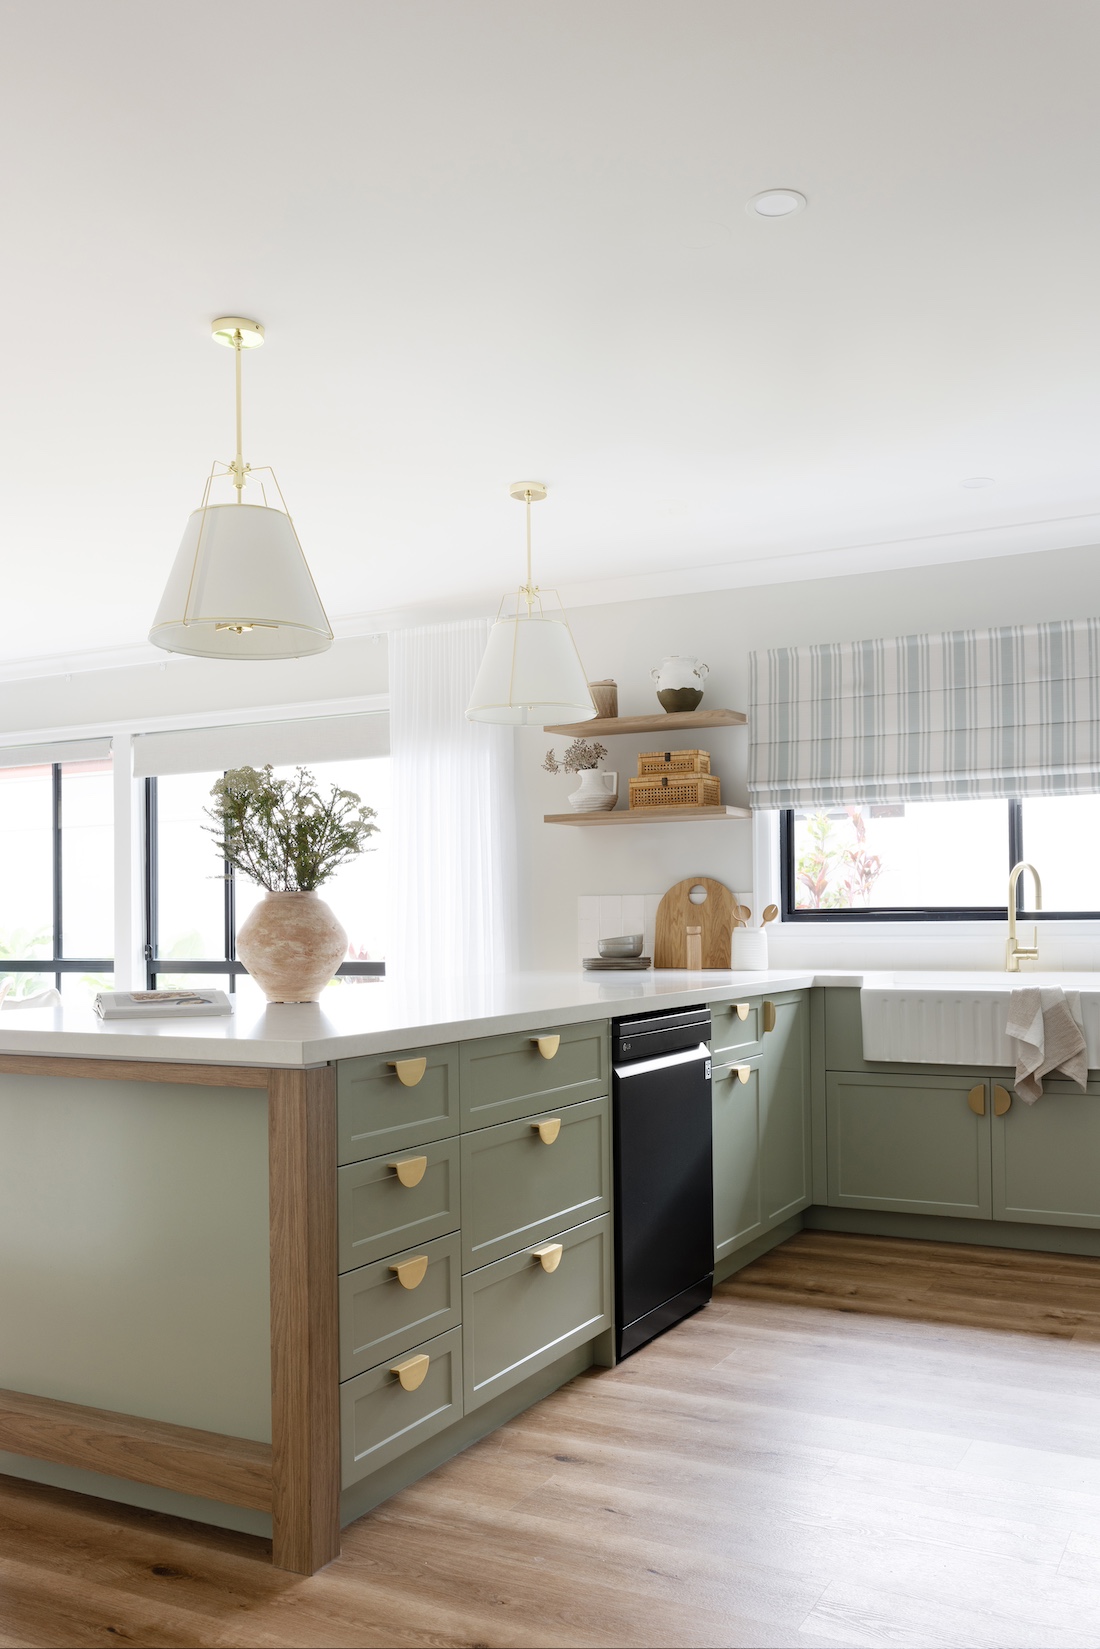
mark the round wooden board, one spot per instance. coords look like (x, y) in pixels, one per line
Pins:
(674, 946)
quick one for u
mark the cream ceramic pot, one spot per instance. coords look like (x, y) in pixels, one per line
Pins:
(680, 683)
(597, 792)
(291, 944)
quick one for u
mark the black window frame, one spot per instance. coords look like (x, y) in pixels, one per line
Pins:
(227, 964)
(919, 913)
(57, 963)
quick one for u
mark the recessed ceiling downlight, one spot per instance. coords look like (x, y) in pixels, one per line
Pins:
(777, 203)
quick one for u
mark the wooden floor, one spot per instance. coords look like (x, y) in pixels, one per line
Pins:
(862, 1441)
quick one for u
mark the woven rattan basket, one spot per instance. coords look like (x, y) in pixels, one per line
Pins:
(674, 761)
(676, 790)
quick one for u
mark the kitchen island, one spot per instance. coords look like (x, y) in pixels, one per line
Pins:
(213, 1234)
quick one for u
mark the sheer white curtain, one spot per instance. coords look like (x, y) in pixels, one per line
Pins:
(453, 811)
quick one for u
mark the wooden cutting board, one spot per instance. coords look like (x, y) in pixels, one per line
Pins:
(694, 936)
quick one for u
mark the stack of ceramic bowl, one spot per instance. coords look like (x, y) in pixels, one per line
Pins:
(624, 953)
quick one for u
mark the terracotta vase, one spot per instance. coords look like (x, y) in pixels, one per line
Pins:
(291, 944)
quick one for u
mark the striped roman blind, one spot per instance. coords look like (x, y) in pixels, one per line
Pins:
(1007, 712)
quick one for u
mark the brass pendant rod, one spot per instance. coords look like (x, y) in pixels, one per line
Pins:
(238, 467)
(528, 593)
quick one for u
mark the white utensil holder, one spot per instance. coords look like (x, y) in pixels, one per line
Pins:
(749, 950)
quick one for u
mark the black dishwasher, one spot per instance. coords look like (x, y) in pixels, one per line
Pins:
(664, 1191)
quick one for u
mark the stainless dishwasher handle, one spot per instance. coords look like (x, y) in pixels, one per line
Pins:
(664, 1062)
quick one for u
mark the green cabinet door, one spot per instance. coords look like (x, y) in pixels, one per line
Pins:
(785, 1178)
(738, 1216)
(909, 1143)
(1045, 1157)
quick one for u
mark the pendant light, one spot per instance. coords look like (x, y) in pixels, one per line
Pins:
(531, 673)
(240, 586)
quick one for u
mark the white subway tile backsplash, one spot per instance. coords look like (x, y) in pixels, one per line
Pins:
(633, 912)
(611, 915)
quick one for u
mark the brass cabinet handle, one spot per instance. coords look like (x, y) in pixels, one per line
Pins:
(1002, 1100)
(976, 1099)
(741, 1072)
(412, 1371)
(548, 1256)
(410, 1171)
(410, 1273)
(546, 1045)
(741, 1009)
(769, 1016)
(548, 1130)
(408, 1071)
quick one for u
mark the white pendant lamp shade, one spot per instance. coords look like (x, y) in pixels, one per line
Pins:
(530, 675)
(240, 588)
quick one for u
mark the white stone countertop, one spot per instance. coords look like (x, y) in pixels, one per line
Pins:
(387, 1015)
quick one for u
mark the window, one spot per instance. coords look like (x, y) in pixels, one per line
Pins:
(194, 904)
(57, 853)
(940, 860)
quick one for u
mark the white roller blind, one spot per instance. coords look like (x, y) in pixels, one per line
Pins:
(66, 750)
(282, 743)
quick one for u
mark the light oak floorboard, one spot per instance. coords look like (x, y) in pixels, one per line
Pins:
(863, 1441)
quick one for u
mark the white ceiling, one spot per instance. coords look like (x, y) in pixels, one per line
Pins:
(492, 239)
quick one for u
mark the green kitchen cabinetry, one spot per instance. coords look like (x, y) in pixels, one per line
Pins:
(909, 1143)
(761, 1114)
(1046, 1157)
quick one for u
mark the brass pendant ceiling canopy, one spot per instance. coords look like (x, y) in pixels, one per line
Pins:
(531, 673)
(240, 586)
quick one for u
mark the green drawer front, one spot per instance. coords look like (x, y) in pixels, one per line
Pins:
(730, 1034)
(908, 1144)
(506, 1076)
(517, 1317)
(379, 1419)
(379, 1216)
(380, 1317)
(377, 1112)
(738, 1212)
(520, 1189)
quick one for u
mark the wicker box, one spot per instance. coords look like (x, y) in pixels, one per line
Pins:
(676, 790)
(674, 761)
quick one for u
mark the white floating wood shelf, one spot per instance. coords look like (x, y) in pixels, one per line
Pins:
(674, 721)
(649, 815)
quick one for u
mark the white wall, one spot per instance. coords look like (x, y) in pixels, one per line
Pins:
(187, 686)
(558, 863)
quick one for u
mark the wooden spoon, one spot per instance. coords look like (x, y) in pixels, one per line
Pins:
(770, 914)
(744, 916)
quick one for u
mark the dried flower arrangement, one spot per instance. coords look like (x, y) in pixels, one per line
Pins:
(581, 757)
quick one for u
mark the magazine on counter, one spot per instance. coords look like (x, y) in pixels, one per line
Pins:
(184, 1004)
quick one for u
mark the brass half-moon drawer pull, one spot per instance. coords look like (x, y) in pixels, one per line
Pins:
(409, 1071)
(976, 1099)
(410, 1273)
(1002, 1100)
(741, 1072)
(548, 1130)
(548, 1256)
(547, 1045)
(769, 1016)
(410, 1171)
(741, 1009)
(412, 1371)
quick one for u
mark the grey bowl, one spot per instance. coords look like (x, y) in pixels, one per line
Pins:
(628, 944)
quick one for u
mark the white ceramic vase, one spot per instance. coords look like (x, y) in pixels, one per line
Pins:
(748, 950)
(291, 944)
(597, 792)
(680, 683)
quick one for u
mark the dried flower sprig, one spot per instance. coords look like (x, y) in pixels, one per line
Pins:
(581, 756)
